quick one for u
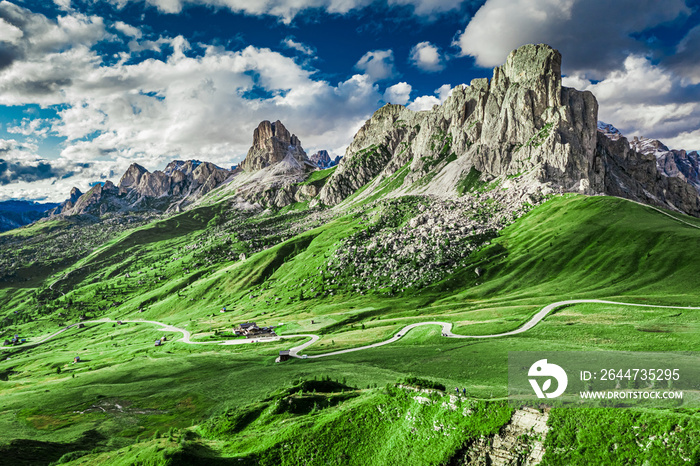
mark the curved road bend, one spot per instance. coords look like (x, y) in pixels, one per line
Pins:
(294, 352)
(447, 327)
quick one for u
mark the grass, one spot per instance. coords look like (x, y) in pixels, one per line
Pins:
(319, 178)
(470, 182)
(570, 247)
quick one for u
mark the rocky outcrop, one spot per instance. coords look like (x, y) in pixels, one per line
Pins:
(180, 184)
(520, 120)
(634, 175)
(519, 124)
(132, 177)
(322, 159)
(519, 443)
(272, 142)
(670, 162)
(609, 130)
(274, 170)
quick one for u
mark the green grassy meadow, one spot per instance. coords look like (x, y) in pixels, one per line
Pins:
(129, 402)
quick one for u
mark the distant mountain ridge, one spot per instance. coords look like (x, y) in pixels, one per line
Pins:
(521, 130)
(14, 213)
(181, 183)
(670, 162)
(323, 159)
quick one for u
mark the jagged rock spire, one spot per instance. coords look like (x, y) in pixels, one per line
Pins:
(272, 142)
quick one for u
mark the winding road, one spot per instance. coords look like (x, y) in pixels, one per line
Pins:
(294, 352)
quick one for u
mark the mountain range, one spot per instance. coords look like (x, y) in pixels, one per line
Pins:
(521, 127)
(442, 241)
(15, 213)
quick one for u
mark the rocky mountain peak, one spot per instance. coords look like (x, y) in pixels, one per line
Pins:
(521, 124)
(609, 131)
(184, 166)
(272, 142)
(534, 66)
(132, 176)
(181, 183)
(670, 162)
(648, 146)
(75, 193)
(267, 130)
(109, 186)
(321, 156)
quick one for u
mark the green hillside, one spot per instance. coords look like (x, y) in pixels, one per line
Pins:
(170, 404)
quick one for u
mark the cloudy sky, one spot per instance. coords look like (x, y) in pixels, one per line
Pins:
(88, 87)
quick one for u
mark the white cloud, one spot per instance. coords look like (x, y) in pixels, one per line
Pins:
(290, 43)
(638, 81)
(430, 7)
(427, 57)
(9, 33)
(593, 35)
(686, 59)
(287, 10)
(201, 105)
(399, 93)
(24, 174)
(38, 128)
(443, 92)
(39, 36)
(62, 4)
(378, 64)
(149, 45)
(426, 102)
(127, 29)
(648, 100)
(689, 140)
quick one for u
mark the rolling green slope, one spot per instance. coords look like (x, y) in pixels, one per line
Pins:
(183, 270)
(593, 247)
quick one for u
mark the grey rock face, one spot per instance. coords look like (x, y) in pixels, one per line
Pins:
(519, 124)
(321, 158)
(132, 177)
(519, 120)
(272, 142)
(140, 190)
(675, 163)
(520, 442)
(609, 130)
(275, 165)
(69, 203)
(635, 176)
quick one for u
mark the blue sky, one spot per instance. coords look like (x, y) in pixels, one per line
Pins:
(87, 87)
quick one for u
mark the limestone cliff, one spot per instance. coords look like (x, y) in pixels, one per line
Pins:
(519, 443)
(521, 124)
(272, 142)
(273, 171)
(181, 183)
(670, 162)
